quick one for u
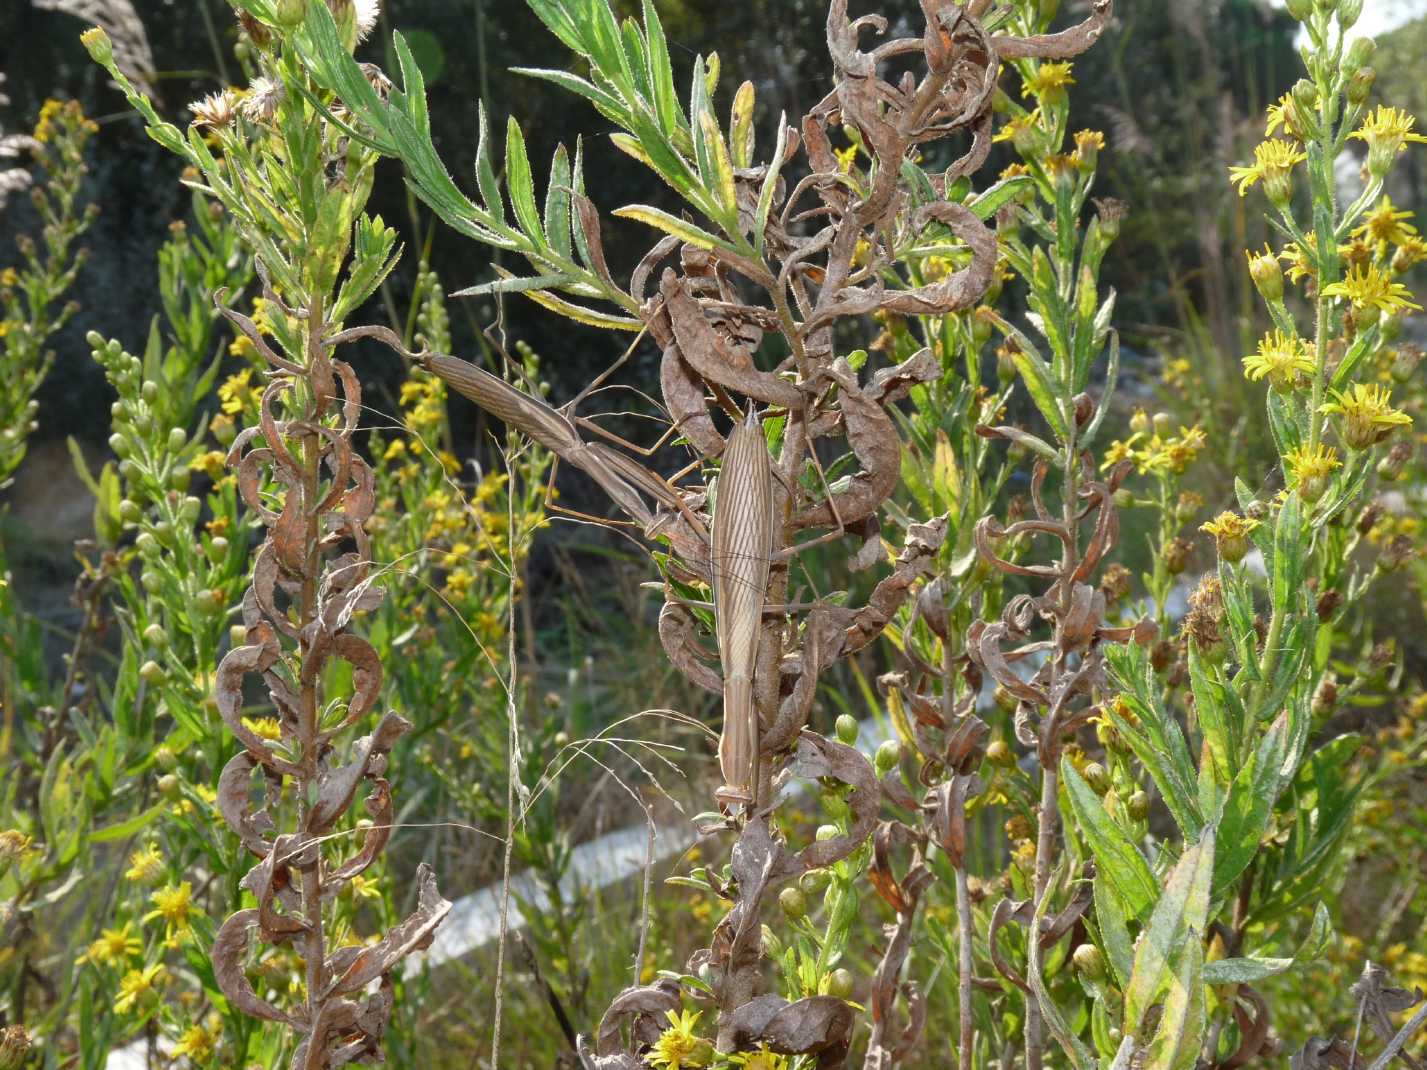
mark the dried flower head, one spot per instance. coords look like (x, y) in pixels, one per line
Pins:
(216, 110)
(1367, 412)
(1281, 358)
(262, 100)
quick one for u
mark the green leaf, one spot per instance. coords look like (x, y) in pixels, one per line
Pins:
(1114, 931)
(770, 183)
(721, 181)
(557, 204)
(740, 125)
(661, 73)
(671, 224)
(1220, 731)
(1289, 556)
(521, 183)
(122, 830)
(1248, 806)
(1169, 952)
(987, 203)
(1116, 859)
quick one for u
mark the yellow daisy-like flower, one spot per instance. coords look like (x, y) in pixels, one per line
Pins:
(211, 464)
(1282, 359)
(113, 946)
(237, 391)
(1385, 225)
(1283, 115)
(1309, 469)
(1387, 132)
(846, 158)
(1300, 263)
(679, 1047)
(146, 865)
(174, 904)
(1049, 82)
(198, 1042)
(1120, 450)
(1367, 287)
(1231, 534)
(1017, 129)
(139, 987)
(264, 727)
(1409, 254)
(1367, 412)
(762, 1059)
(1274, 159)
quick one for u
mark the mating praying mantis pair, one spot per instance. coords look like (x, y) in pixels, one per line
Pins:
(741, 548)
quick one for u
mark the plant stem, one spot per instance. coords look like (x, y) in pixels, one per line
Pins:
(964, 924)
(1035, 1032)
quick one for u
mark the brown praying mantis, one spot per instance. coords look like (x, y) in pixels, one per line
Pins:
(741, 547)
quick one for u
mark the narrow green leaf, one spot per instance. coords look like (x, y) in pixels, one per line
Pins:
(1220, 733)
(661, 73)
(989, 202)
(1178, 920)
(671, 224)
(770, 183)
(557, 204)
(1116, 858)
(1248, 806)
(521, 183)
(740, 125)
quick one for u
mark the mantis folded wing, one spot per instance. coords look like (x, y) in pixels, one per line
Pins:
(743, 533)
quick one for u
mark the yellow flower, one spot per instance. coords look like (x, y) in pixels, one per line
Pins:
(198, 1042)
(113, 946)
(1282, 359)
(1049, 82)
(395, 448)
(1016, 129)
(146, 865)
(762, 1059)
(263, 727)
(1309, 469)
(459, 582)
(364, 887)
(846, 158)
(9, 277)
(174, 904)
(679, 1046)
(1120, 450)
(1367, 412)
(1369, 288)
(1300, 264)
(210, 464)
(235, 391)
(1387, 132)
(44, 127)
(1385, 225)
(1231, 534)
(1274, 160)
(139, 987)
(1409, 254)
(1283, 114)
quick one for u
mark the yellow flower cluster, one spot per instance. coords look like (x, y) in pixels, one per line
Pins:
(1156, 453)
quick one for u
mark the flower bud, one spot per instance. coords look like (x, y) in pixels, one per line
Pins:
(998, 753)
(1005, 701)
(1138, 806)
(163, 532)
(130, 512)
(793, 902)
(1360, 54)
(155, 635)
(147, 544)
(96, 42)
(1176, 556)
(152, 672)
(1267, 276)
(888, 755)
(1089, 962)
(847, 729)
(1404, 364)
(224, 430)
(165, 758)
(120, 445)
(290, 13)
(1097, 776)
(1300, 9)
(827, 832)
(149, 391)
(207, 600)
(1390, 468)
(1396, 553)
(1359, 89)
(217, 549)
(840, 983)
(237, 635)
(815, 881)
(151, 582)
(170, 787)
(1348, 13)
(177, 439)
